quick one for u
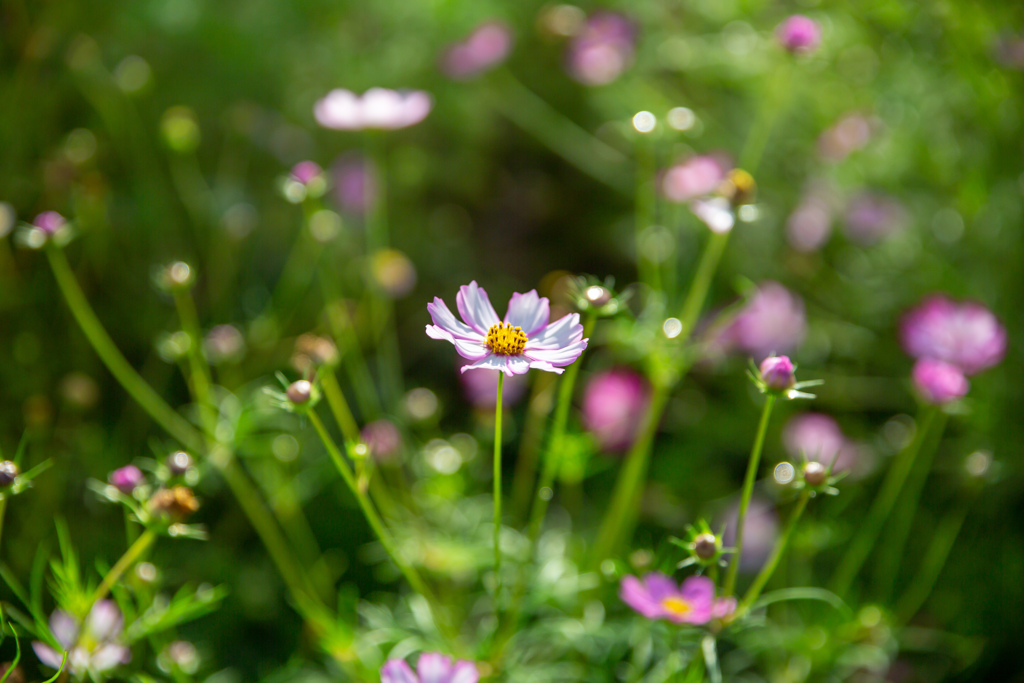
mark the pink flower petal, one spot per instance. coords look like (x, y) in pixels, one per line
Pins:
(723, 607)
(434, 667)
(397, 671)
(47, 655)
(634, 593)
(339, 109)
(546, 367)
(490, 362)
(557, 335)
(558, 357)
(64, 628)
(475, 308)
(465, 672)
(446, 320)
(528, 311)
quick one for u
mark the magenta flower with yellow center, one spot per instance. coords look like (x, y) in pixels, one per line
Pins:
(523, 340)
(657, 596)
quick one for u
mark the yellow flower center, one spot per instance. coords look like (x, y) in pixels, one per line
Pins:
(676, 606)
(506, 340)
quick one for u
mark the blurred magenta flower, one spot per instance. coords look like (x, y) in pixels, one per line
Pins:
(383, 439)
(126, 478)
(966, 334)
(778, 373)
(522, 341)
(799, 34)
(96, 649)
(771, 322)
(353, 183)
(306, 172)
(657, 596)
(432, 667)
(810, 225)
(695, 177)
(50, 222)
(485, 48)
(871, 217)
(760, 529)
(939, 382)
(481, 389)
(818, 437)
(602, 49)
(378, 108)
(613, 403)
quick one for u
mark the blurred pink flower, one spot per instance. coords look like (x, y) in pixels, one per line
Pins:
(799, 34)
(967, 334)
(95, 647)
(939, 382)
(810, 225)
(383, 439)
(305, 172)
(760, 529)
(485, 48)
(377, 108)
(695, 177)
(614, 402)
(872, 217)
(432, 667)
(126, 478)
(603, 49)
(818, 437)
(771, 322)
(657, 596)
(778, 373)
(851, 133)
(49, 222)
(354, 187)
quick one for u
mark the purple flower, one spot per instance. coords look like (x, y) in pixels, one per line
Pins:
(778, 373)
(96, 649)
(817, 437)
(378, 108)
(50, 222)
(522, 341)
(613, 403)
(354, 188)
(657, 596)
(760, 529)
(695, 177)
(432, 667)
(966, 334)
(485, 48)
(810, 225)
(306, 172)
(603, 49)
(481, 389)
(799, 34)
(939, 382)
(870, 218)
(126, 478)
(771, 322)
(383, 439)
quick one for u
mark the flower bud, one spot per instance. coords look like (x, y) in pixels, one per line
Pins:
(939, 382)
(705, 546)
(598, 296)
(175, 503)
(126, 478)
(312, 351)
(815, 473)
(8, 473)
(777, 372)
(177, 275)
(179, 463)
(299, 392)
(49, 222)
(799, 34)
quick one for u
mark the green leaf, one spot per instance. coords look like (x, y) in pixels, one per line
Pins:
(807, 593)
(186, 605)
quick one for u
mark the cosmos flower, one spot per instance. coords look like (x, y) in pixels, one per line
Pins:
(603, 49)
(657, 596)
(521, 341)
(939, 382)
(432, 667)
(96, 649)
(799, 34)
(773, 321)
(818, 437)
(485, 48)
(697, 176)
(378, 108)
(967, 335)
(613, 403)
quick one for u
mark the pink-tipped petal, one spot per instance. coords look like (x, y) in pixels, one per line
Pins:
(546, 367)
(415, 107)
(490, 362)
(475, 308)
(723, 607)
(446, 320)
(473, 349)
(517, 365)
(564, 331)
(699, 593)
(47, 655)
(558, 357)
(528, 311)
(105, 620)
(64, 628)
(397, 671)
(339, 109)
(434, 667)
(635, 594)
(465, 672)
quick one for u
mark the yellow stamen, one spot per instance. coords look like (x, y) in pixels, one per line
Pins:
(506, 340)
(676, 606)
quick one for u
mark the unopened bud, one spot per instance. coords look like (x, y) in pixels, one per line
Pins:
(299, 392)
(8, 473)
(815, 473)
(179, 463)
(778, 373)
(598, 296)
(126, 478)
(705, 546)
(177, 275)
(175, 503)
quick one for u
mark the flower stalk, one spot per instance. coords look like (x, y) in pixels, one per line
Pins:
(497, 482)
(128, 560)
(773, 561)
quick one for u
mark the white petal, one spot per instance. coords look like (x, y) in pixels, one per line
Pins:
(415, 107)
(562, 332)
(490, 362)
(475, 308)
(397, 671)
(64, 628)
(382, 108)
(339, 109)
(109, 656)
(105, 620)
(528, 311)
(558, 357)
(547, 367)
(47, 655)
(434, 667)
(517, 365)
(716, 213)
(465, 672)
(446, 320)
(473, 349)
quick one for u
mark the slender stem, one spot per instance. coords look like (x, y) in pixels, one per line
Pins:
(773, 561)
(698, 293)
(646, 200)
(530, 443)
(748, 490)
(497, 482)
(104, 346)
(339, 406)
(3, 511)
(130, 557)
(622, 513)
(931, 566)
(340, 325)
(867, 533)
(376, 523)
(553, 453)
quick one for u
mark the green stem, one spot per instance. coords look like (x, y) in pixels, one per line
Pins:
(867, 532)
(624, 508)
(698, 293)
(556, 444)
(931, 566)
(339, 406)
(376, 523)
(748, 490)
(130, 557)
(3, 511)
(646, 201)
(497, 483)
(137, 387)
(530, 443)
(773, 561)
